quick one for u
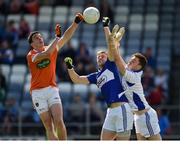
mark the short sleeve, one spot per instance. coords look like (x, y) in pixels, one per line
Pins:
(92, 78)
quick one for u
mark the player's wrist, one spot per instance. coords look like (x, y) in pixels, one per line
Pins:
(106, 21)
(69, 62)
(79, 18)
(69, 66)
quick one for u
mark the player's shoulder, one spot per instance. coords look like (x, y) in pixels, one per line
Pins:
(135, 75)
(30, 54)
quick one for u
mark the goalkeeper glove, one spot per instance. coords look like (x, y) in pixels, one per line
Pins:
(106, 21)
(115, 30)
(78, 18)
(58, 30)
(69, 62)
(120, 34)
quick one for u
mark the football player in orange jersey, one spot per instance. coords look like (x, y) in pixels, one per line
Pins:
(44, 92)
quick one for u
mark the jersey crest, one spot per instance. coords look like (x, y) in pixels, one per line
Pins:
(43, 63)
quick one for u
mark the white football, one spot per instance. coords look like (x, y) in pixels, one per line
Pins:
(91, 15)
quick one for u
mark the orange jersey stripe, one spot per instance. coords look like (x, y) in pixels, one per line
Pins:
(43, 73)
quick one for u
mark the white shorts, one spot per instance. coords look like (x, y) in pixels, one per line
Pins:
(119, 119)
(44, 98)
(147, 123)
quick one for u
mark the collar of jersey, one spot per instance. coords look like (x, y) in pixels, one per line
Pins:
(38, 51)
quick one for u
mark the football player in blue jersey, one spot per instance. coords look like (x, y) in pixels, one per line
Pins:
(145, 117)
(119, 117)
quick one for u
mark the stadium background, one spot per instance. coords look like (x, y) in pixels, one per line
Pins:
(152, 27)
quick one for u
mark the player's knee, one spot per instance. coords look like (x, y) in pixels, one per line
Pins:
(48, 125)
(50, 129)
(59, 122)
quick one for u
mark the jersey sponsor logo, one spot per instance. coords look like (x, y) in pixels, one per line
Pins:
(101, 81)
(105, 77)
(43, 64)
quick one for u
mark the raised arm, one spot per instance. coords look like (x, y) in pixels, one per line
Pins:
(70, 31)
(73, 75)
(45, 54)
(116, 37)
(106, 22)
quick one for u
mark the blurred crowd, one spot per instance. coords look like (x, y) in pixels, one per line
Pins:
(154, 80)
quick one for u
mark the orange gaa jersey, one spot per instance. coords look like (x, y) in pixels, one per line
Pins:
(43, 72)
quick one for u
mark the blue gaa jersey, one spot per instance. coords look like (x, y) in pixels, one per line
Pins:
(134, 90)
(109, 81)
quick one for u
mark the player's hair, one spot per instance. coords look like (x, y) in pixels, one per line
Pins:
(102, 51)
(142, 60)
(31, 35)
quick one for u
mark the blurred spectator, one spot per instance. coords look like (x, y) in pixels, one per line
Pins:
(11, 34)
(89, 3)
(68, 51)
(149, 55)
(63, 2)
(11, 105)
(15, 7)
(148, 80)
(31, 117)
(62, 72)
(83, 54)
(46, 2)
(10, 117)
(6, 53)
(2, 31)
(76, 113)
(91, 68)
(3, 7)
(32, 7)
(83, 59)
(161, 78)
(156, 97)
(24, 29)
(3, 86)
(35, 117)
(164, 123)
(7, 124)
(96, 114)
(106, 10)
(76, 109)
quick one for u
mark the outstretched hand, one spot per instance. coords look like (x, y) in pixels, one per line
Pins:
(58, 30)
(118, 32)
(78, 18)
(69, 62)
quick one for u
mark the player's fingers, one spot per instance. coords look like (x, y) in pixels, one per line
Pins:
(115, 30)
(80, 16)
(122, 30)
(120, 34)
